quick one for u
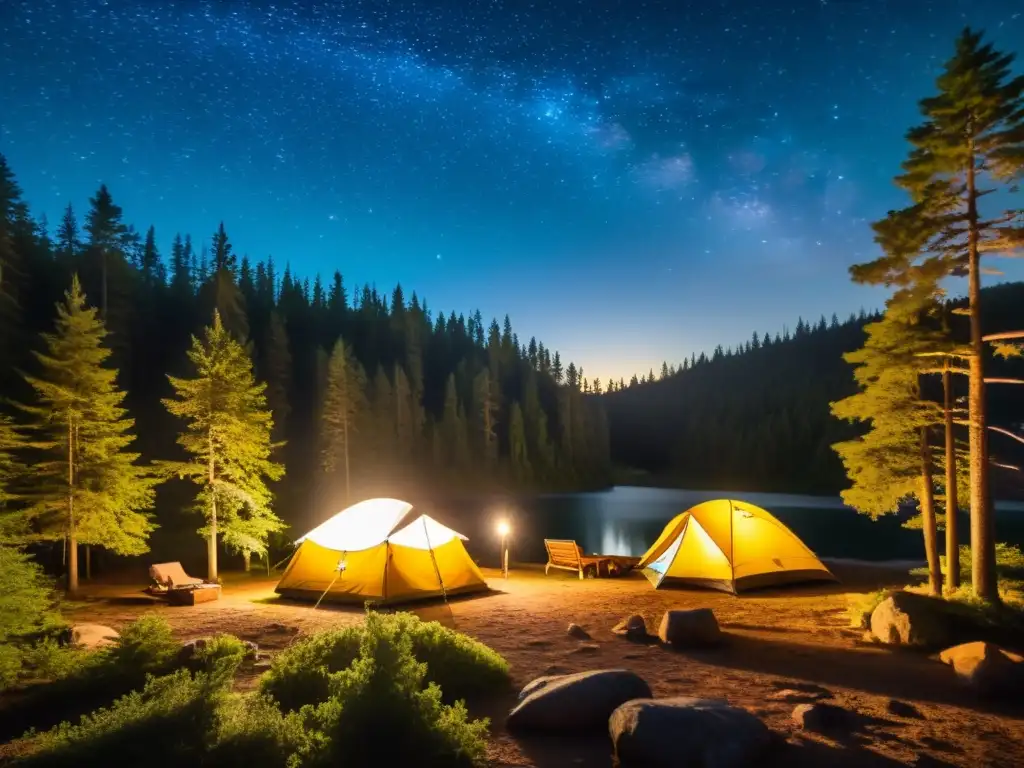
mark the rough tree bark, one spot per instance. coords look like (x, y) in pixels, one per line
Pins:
(931, 542)
(952, 502)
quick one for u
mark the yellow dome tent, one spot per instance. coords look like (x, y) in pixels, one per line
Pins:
(380, 550)
(730, 545)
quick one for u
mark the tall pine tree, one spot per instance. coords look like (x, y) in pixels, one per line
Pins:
(344, 411)
(87, 486)
(893, 460)
(972, 134)
(227, 435)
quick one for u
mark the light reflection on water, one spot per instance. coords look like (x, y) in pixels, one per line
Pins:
(626, 521)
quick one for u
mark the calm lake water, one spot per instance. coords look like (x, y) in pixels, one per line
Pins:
(626, 520)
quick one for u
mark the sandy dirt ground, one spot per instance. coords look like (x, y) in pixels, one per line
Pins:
(775, 640)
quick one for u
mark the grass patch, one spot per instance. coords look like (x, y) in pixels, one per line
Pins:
(460, 665)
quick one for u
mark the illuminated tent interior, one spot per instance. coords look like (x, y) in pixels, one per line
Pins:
(730, 545)
(381, 551)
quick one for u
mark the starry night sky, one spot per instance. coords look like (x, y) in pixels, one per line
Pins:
(631, 181)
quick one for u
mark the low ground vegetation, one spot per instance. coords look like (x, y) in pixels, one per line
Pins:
(459, 665)
(150, 703)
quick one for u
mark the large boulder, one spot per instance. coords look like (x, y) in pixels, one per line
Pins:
(578, 702)
(685, 731)
(685, 629)
(986, 668)
(92, 636)
(536, 684)
(632, 628)
(910, 619)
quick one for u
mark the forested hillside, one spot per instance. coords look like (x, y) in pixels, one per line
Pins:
(441, 401)
(756, 418)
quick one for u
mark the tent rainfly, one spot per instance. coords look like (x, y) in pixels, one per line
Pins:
(380, 551)
(730, 545)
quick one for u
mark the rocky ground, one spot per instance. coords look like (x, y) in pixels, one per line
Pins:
(781, 649)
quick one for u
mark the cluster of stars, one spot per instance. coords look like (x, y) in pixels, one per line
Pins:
(522, 131)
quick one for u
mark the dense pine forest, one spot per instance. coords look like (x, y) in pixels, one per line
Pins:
(756, 417)
(369, 393)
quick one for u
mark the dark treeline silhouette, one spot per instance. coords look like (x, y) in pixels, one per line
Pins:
(756, 417)
(447, 402)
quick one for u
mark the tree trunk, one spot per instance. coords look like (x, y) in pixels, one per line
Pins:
(247, 560)
(952, 502)
(344, 428)
(931, 541)
(88, 562)
(983, 540)
(72, 533)
(211, 543)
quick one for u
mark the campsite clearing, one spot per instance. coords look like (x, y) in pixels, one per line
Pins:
(780, 643)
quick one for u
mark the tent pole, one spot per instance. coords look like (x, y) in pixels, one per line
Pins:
(433, 559)
(732, 548)
(339, 570)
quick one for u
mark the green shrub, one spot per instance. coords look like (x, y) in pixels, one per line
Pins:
(94, 679)
(862, 606)
(460, 665)
(300, 674)
(49, 660)
(380, 713)
(27, 607)
(168, 723)
(220, 646)
(1009, 565)
(253, 732)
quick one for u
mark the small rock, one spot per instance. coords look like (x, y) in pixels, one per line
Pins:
(906, 618)
(586, 648)
(578, 702)
(823, 718)
(631, 628)
(903, 709)
(92, 636)
(538, 642)
(575, 630)
(685, 629)
(684, 731)
(987, 668)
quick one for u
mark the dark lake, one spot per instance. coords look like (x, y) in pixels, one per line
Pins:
(626, 520)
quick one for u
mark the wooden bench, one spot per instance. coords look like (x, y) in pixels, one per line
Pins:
(567, 555)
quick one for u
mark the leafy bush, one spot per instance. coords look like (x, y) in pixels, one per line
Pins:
(300, 674)
(380, 713)
(1009, 565)
(89, 679)
(169, 723)
(253, 732)
(461, 666)
(49, 660)
(861, 608)
(27, 604)
(220, 646)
